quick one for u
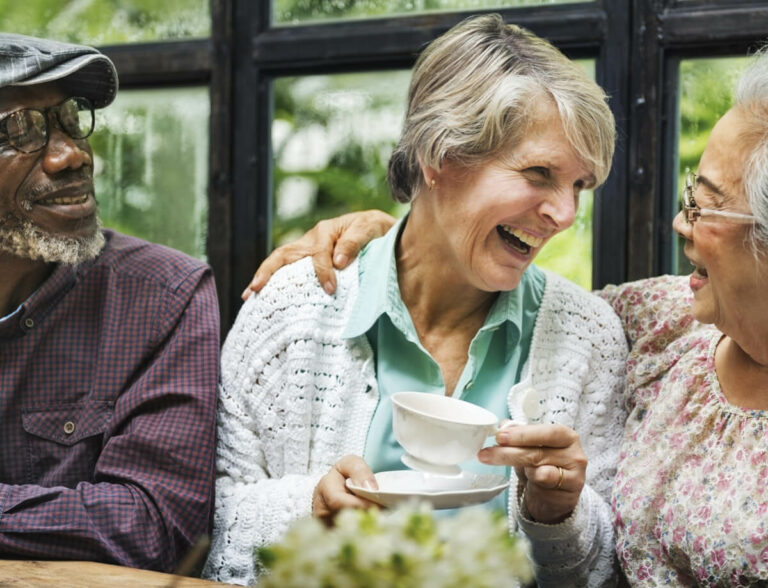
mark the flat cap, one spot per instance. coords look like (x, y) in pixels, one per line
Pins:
(82, 70)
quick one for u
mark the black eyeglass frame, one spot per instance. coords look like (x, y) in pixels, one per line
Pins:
(80, 101)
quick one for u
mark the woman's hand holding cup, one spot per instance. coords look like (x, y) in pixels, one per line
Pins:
(331, 494)
(549, 460)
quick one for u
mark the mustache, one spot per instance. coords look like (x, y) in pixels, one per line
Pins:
(61, 182)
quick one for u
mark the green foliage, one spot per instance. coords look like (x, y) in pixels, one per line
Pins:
(291, 11)
(706, 89)
(343, 117)
(570, 253)
(151, 150)
(102, 22)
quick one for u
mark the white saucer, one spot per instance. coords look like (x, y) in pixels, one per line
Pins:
(401, 486)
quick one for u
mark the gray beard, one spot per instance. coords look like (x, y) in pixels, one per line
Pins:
(24, 239)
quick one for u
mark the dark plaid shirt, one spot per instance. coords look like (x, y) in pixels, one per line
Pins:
(107, 410)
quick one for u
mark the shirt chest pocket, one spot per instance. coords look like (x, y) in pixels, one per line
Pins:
(64, 441)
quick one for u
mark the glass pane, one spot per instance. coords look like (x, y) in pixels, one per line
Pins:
(151, 162)
(104, 22)
(331, 140)
(706, 89)
(288, 12)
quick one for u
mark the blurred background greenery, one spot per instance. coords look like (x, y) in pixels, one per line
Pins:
(331, 134)
(295, 11)
(107, 22)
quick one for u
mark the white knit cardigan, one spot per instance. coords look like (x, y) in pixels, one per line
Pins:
(295, 397)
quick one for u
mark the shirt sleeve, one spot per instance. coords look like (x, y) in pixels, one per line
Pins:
(150, 496)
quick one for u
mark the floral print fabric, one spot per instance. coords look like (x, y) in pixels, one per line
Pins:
(690, 499)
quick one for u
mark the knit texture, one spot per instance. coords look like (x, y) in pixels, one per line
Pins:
(295, 397)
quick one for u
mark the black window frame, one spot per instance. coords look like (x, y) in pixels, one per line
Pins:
(637, 46)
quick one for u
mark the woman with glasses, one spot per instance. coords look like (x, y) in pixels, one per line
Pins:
(691, 494)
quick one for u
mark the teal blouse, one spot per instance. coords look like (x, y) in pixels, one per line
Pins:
(497, 352)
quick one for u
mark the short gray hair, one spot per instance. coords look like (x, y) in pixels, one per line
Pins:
(752, 99)
(473, 94)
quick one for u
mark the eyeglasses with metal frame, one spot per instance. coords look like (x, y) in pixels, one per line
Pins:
(693, 212)
(28, 130)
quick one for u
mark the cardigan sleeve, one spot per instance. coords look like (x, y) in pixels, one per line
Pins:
(256, 499)
(292, 398)
(578, 367)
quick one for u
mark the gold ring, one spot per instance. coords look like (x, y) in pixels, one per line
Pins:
(560, 481)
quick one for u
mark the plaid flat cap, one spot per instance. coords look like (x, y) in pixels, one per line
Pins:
(82, 70)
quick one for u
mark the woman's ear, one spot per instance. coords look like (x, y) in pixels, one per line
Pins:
(430, 175)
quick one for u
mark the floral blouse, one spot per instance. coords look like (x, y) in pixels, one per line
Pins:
(690, 499)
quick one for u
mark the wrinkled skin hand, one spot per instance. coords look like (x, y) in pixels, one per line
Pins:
(536, 451)
(331, 493)
(332, 243)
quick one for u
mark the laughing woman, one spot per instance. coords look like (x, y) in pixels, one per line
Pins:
(691, 495)
(691, 492)
(501, 135)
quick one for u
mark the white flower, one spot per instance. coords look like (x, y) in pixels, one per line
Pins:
(406, 548)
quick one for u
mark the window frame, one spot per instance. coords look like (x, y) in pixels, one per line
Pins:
(583, 30)
(637, 46)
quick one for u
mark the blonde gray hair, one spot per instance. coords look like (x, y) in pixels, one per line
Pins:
(752, 99)
(474, 92)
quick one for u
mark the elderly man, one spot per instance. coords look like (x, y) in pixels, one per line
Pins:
(108, 344)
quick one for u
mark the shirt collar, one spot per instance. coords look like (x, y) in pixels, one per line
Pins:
(40, 303)
(379, 293)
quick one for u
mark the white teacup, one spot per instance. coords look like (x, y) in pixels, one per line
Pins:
(438, 432)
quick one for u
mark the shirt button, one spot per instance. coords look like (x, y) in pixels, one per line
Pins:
(29, 323)
(469, 384)
(69, 427)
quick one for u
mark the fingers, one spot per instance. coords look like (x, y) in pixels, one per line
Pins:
(331, 494)
(536, 435)
(549, 461)
(551, 477)
(355, 468)
(536, 445)
(277, 259)
(361, 228)
(334, 242)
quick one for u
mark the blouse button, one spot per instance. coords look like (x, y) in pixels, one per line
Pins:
(29, 323)
(69, 427)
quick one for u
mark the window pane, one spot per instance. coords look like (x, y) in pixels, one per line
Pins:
(104, 22)
(331, 140)
(297, 11)
(706, 89)
(151, 161)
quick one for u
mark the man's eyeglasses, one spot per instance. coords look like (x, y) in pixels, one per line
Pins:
(27, 130)
(694, 212)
